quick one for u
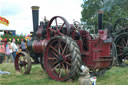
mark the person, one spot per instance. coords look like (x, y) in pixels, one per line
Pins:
(22, 45)
(2, 52)
(7, 52)
(10, 49)
(14, 49)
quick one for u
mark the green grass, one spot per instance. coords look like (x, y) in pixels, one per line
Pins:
(115, 76)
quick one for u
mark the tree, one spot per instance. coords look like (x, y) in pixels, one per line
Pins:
(113, 10)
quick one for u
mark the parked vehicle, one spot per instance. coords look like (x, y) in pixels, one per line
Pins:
(62, 48)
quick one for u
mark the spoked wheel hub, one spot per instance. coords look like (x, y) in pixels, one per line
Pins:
(60, 59)
(22, 63)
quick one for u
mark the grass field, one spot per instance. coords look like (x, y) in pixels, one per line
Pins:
(115, 76)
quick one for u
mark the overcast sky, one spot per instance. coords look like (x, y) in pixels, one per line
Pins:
(19, 12)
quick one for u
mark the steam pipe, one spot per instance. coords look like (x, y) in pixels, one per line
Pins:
(35, 15)
(100, 15)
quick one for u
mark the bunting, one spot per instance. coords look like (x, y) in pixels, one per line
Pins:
(4, 21)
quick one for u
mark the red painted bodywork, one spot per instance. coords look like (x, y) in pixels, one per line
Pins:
(98, 53)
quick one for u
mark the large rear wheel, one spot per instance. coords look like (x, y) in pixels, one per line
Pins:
(62, 58)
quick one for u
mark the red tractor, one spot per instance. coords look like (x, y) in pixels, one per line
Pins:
(62, 48)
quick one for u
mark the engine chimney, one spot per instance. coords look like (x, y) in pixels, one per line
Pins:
(35, 15)
(100, 15)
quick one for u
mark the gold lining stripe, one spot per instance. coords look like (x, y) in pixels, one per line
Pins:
(100, 12)
(35, 7)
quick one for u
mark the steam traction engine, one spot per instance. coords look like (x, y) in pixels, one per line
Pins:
(120, 33)
(62, 48)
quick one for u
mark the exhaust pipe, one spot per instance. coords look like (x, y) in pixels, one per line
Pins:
(102, 33)
(35, 15)
(100, 15)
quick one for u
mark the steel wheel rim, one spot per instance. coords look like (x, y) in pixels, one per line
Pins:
(58, 66)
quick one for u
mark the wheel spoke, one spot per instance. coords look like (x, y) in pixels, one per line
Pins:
(52, 30)
(20, 68)
(52, 58)
(64, 49)
(25, 67)
(65, 69)
(56, 24)
(59, 69)
(26, 61)
(60, 73)
(20, 59)
(24, 58)
(62, 26)
(54, 54)
(61, 33)
(59, 47)
(54, 49)
(68, 55)
(120, 54)
(120, 51)
(55, 67)
(124, 41)
(122, 44)
(68, 63)
(119, 46)
(55, 63)
(119, 26)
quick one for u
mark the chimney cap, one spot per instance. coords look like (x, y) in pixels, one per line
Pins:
(101, 12)
(35, 7)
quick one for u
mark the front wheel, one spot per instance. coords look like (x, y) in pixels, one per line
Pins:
(23, 63)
